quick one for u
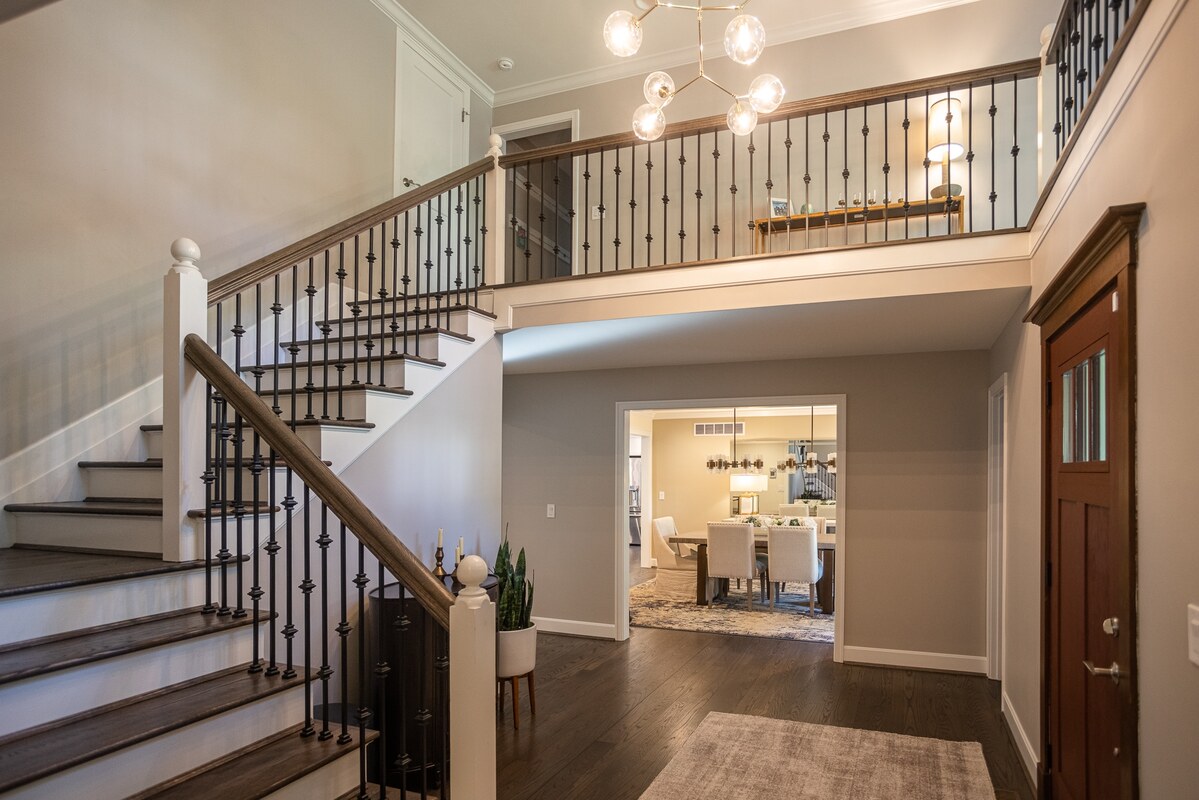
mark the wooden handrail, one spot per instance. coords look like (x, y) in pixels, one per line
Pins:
(1028, 68)
(257, 271)
(383, 544)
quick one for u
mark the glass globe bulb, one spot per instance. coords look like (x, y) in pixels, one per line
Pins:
(622, 33)
(744, 39)
(659, 89)
(766, 93)
(648, 122)
(742, 118)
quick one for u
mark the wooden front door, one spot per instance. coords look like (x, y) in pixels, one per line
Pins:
(1086, 317)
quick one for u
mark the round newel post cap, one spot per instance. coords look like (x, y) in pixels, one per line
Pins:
(186, 254)
(496, 145)
(472, 572)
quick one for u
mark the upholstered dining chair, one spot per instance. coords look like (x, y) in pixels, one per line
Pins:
(731, 554)
(794, 558)
(793, 510)
(666, 526)
(828, 512)
(675, 578)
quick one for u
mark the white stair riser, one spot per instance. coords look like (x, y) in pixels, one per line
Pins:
(153, 440)
(332, 780)
(426, 347)
(122, 482)
(45, 613)
(89, 531)
(143, 765)
(381, 314)
(59, 694)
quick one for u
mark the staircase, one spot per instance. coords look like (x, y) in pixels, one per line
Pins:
(125, 675)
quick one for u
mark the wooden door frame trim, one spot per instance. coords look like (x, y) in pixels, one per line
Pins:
(1106, 257)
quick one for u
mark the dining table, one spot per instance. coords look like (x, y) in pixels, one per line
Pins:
(826, 546)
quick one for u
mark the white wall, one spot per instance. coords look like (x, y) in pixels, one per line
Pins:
(915, 458)
(1137, 158)
(244, 126)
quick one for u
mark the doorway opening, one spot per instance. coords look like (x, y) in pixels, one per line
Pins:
(768, 462)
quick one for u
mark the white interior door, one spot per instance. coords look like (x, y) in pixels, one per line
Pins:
(432, 109)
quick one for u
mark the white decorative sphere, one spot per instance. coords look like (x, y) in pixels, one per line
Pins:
(744, 39)
(622, 33)
(742, 118)
(659, 89)
(766, 93)
(648, 122)
(185, 250)
(472, 571)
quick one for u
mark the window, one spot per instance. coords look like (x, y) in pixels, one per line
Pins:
(1084, 410)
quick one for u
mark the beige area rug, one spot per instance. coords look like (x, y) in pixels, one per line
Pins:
(736, 757)
(789, 619)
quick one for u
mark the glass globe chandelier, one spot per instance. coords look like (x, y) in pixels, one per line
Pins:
(744, 41)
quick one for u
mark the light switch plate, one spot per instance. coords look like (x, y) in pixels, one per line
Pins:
(550, 511)
(1193, 632)
(661, 495)
(597, 214)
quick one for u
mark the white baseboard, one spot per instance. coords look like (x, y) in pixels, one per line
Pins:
(592, 630)
(1028, 755)
(942, 662)
(46, 470)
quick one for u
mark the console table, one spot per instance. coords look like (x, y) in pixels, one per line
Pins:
(766, 227)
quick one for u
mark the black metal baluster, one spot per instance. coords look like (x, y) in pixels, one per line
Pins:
(616, 171)
(442, 673)
(356, 309)
(272, 551)
(586, 213)
(309, 386)
(787, 145)
(382, 295)
(382, 672)
(750, 149)
(529, 220)
(699, 198)
(326, 671)
(341, 333)
(827, 216)
(325, 329)
(398, 290)
(306, 587)
(733, 191)
(1015, 152)
(682, 199)
(1057, 105)
(807, 184)
(511, 221)
(769, 187)
(418, 231)
(541, 219)
(480, 233)
(223, 441)
(715, 194)
(406, 281)
(927, 125)
(865, 174)
(992, 110)
(368, 343)
(364, 711)
(665, 199)
(429, 264)
(949, 165)
(907, 169)
(443, 268)
(209, 478)
(557, 213)
(845, 168)
(289, 627)
(402, 627)
(1075, 59)
(423, 715)
(603, 211)
(343, 635)
(633, 206)
(969, 193)
(886, 172)
(459, 245)
(649, 205)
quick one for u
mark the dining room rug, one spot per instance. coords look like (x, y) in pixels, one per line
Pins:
(739, 757)
(729, 615)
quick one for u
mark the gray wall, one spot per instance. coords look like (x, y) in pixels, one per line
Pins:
(915, 471)
(128, 123)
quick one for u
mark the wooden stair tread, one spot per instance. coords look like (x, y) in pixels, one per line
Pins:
(303, 363)
(149, 463)
(258, 770)
(301, 423)
(317, 390)
(26, 659)
(387, 334)
(26, 756)
(26, 570)
(372, 791)
(122, 507)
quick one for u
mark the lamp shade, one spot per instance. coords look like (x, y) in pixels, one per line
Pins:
(747, 483)
(945, 130)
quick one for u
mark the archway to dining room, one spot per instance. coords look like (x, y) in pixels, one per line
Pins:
(760, 469)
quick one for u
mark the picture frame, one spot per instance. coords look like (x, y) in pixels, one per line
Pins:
(781, 207)
(774, 473)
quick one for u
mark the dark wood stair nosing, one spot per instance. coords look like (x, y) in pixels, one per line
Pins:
(155, 566)
(300, 364)
(102, 507)
(130, 735)
(382, 335)
(92, 655)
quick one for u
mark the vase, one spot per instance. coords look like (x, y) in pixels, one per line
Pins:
(515, 652)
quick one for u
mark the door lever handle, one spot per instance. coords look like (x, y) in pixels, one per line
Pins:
(1112, 672)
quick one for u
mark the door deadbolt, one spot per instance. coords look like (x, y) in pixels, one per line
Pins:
(1111, 626)
(1112, 672)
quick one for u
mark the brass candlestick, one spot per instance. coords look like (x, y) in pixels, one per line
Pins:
(439, 570)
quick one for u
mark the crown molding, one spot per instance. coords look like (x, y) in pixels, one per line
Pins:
(834, 21)
(413, 28)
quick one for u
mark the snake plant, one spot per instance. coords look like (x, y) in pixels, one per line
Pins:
(515, 605)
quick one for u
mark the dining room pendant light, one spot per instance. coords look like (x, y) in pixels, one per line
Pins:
(744, 42)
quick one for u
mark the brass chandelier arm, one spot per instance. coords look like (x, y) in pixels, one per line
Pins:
(686, 7)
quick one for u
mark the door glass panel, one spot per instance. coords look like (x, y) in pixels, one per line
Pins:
(1084, 410)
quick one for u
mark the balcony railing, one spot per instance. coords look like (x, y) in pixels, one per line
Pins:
(948, 156)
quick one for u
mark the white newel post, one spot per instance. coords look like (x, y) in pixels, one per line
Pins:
(496, 216)
(472, 686)
(185, 310)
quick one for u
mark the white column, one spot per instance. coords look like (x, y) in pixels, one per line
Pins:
(497, 212)
(472, 686)
(185, 310)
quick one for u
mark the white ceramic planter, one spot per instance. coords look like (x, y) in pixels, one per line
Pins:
(515, 652)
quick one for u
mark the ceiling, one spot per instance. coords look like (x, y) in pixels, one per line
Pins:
(893, 325)
(558, 44)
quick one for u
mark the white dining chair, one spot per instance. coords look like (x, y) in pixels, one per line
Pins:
(828, 512)
(666, 527)
(794, 558)
(793, 510)
(731, 554)
(675, 578)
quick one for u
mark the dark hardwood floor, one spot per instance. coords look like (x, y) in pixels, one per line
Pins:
(611, 715)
